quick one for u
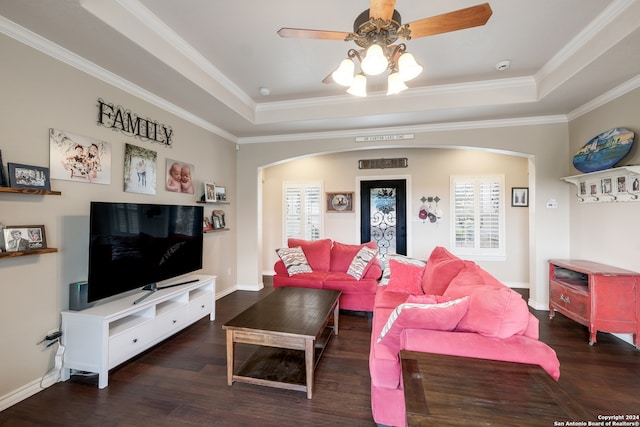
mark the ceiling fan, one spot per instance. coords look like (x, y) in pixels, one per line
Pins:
(376, 30)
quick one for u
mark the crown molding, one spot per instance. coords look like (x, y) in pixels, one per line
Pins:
(605, 98)
(63, 55)
(439, 127)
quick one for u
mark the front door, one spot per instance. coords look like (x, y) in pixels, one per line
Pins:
(384, 215)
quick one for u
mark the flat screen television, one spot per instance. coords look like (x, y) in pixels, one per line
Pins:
(135, 245)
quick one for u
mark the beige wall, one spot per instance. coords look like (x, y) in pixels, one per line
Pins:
(607, 232)
(38, 93)
(427, 175)
(544, 145)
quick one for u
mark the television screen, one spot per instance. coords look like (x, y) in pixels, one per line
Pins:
(134, 245)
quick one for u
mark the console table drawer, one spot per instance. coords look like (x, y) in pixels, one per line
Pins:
(570, 300)
(201, 306)
(168, 323)
(129, 342)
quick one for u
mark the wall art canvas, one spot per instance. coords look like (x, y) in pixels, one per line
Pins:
(79, 158)
(179, 176)
(140, 170)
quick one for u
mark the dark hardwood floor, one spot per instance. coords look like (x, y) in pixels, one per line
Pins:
(182, 382)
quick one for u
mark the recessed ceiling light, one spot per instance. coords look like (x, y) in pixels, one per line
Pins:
(264, 91)
(503, 65)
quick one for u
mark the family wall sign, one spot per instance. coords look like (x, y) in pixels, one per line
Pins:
(117, 118)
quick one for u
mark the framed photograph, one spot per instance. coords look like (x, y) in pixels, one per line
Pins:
(206, 224)
(25, 176)
(520, 197)
(18, 238)
(3, 183)
(209, 192)
(217, 219)
(221, 194)
(340, 202)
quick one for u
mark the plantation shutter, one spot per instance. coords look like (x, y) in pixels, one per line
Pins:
(302, 210)
(478, 215)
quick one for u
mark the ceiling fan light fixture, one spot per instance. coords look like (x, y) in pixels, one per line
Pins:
(374, 62)
(343, 75)
(395, 84)
(408, 67)
(359, 86)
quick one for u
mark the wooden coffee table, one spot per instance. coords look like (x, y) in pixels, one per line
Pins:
(292, 326)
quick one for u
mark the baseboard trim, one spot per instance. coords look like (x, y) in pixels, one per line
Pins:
(28, 390)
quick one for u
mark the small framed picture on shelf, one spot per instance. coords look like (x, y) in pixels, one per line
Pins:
(206, 224)
(209, 192)
(217, 219)
(18, 238)
(221, 193)
(25, 176)
(520, 197)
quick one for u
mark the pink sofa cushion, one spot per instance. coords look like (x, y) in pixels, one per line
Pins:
(443, 316)
(294, 260)
(361, 262)
(386, 274)
(442, 267)
(318, 252)
(494, 311)
(344, 282)
(342, 254)
(405, 278)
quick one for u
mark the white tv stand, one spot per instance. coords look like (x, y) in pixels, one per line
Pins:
(104, 336)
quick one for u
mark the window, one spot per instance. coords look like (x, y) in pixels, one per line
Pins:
(302, 210)
(478, 215)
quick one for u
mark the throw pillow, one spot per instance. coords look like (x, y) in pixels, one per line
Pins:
(405, 278)
(441, 317)
(442, 267)
(294, 260)
(386, 273)
(318, 252)
(343, 253)
(361, 262)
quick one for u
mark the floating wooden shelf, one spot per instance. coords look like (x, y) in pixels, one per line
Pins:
(215, 230)
(27, 253)
(213, 203)
(29, 191)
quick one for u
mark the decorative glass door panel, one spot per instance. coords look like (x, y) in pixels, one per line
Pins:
(383, 213)
(383, 217)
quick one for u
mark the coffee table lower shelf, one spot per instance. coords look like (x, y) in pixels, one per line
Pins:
(281, 367)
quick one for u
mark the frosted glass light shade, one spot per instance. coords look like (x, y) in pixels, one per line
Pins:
(395, 84)
(408, 67)
(344, 74)
(374, 62)
(359, 86)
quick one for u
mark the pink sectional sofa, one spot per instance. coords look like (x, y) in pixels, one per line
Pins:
(448, 306)
(324, 264)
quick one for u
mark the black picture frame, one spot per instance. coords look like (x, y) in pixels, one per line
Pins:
(520, 197)
(3, 181)
(27, 176)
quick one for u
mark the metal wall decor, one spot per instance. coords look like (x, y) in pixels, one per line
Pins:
(401, 162)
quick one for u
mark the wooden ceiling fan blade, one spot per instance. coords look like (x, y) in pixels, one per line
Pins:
(473, 16)
(382, 9)
(302, 33)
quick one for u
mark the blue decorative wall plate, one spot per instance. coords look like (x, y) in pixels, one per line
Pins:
(604, 151)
